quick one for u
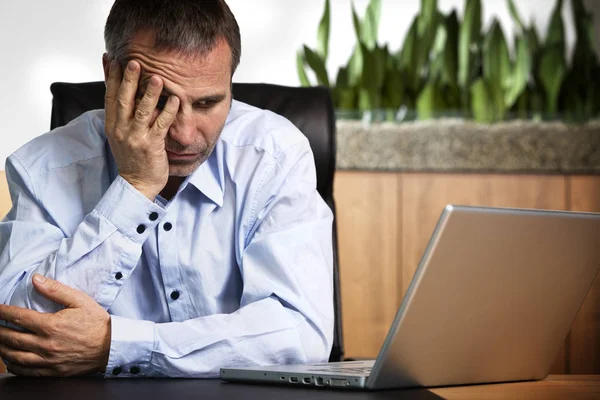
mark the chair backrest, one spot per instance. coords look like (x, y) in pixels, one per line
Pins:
(310, 109)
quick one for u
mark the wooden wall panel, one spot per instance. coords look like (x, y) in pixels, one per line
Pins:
(585, 335)
(424, 196)
(367, 221)
(5, 203)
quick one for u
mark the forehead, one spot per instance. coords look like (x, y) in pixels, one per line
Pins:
(176, 68)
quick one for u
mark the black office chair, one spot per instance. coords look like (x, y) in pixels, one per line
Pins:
(310, 109)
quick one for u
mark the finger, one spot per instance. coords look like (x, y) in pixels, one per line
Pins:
(145, 108)
(22, 358)
(23, 341)
(166, 118)
(115, 76)
(127, 91)
(23, 317)
(59, 292)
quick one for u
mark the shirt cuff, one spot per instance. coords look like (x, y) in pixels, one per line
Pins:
(129, 211)
(131, 346)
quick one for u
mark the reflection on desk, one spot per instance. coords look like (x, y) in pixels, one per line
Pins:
(12, 388)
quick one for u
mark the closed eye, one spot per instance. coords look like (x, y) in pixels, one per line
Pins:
(205, 103)
(208, 102)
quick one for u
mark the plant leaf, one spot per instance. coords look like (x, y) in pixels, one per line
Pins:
(407, 54)
(430, 101)
(533, 40)
(521, 72)
(323, 32)
(368, 100)
(318, 66)
(450, 71)
(515, 16)
(373, 73)
(370, 31)
(393, 89)
(355, 66)
(481, 106)
(428, 15)
(552, 72)
(497, 67)
(304, 81)
(345, 98)
(425, 45)
(358, 28)
(342, 80)
(556, 29)
(470, 34)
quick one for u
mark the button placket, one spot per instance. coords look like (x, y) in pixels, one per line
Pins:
(169, 263)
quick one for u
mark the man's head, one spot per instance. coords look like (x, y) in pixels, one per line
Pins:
(194, 46)
(189, 27)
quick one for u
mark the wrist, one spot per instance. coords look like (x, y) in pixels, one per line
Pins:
(148, 190)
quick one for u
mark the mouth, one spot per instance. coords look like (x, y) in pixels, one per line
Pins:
(181, 156)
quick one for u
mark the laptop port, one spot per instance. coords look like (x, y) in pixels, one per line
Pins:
(339, 382)
(319, 381)
(293, 379)
(306, 381)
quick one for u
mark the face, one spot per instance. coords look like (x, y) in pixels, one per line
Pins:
(203, 86)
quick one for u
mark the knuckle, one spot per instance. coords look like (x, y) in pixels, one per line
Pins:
(136, 146)
(52, 329)
(142, 113)
(122, 102)
(51, 350)
(54, 287)
(118, 134)
(19, 360)
(15, 342)
(161, 124)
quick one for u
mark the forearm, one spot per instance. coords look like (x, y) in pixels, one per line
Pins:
(262, 333)
(106, 243)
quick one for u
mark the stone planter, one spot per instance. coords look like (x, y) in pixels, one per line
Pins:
(455, 145)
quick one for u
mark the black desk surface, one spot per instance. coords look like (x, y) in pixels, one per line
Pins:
(12, 388)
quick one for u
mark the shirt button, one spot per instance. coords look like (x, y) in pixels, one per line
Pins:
(167, 226)
(141, 229)
(175, 295)
(134, 370)
(117, 371)
(153, 216)
(118, 276)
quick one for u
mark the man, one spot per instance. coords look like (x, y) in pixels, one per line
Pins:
(174, 233)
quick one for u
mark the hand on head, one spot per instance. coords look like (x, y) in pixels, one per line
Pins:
(136, 133)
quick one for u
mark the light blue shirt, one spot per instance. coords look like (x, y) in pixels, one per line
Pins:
(235, 270)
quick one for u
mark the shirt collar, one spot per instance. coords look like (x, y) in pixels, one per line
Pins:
(206, 178)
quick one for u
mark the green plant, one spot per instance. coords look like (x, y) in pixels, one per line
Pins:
(446, 64)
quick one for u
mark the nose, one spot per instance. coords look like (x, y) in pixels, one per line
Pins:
(183, 129)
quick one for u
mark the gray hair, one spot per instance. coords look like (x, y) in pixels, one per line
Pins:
(190, 27)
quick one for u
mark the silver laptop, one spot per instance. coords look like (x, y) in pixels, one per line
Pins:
(492, 300)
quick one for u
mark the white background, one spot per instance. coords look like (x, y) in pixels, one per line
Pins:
(44, 41)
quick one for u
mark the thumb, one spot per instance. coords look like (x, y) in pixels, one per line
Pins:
(59, 292)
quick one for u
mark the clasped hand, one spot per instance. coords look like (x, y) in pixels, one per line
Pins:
(72, 341)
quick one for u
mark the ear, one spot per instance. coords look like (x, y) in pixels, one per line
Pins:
(105, 66)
